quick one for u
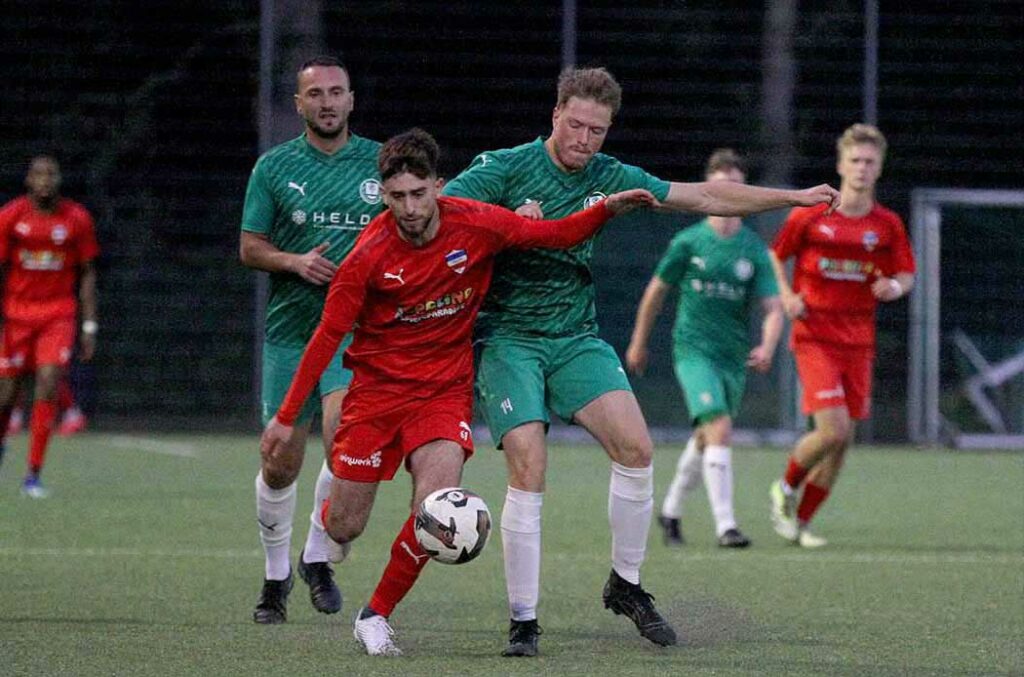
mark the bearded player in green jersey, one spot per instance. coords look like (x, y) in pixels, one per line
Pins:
(306, 203)
(539, 349)
(722, 271)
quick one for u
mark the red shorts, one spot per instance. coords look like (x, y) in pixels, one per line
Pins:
(834, 376)
(375, 435)
(25, 346)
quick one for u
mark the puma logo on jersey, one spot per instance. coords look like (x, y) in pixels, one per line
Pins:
(301, 189)
(828, 231)
(395, 276)
(698, 262)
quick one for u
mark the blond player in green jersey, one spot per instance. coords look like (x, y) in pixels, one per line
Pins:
(722, 272)
(307, 201)
(538, 346)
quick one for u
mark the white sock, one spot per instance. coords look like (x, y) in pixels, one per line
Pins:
(275, 509)
(319, 546)
(520, 538)
(718, 482)
(688, 472)
(630, 504)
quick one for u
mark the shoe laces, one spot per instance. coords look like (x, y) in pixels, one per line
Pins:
(523, 631)
(376, 630)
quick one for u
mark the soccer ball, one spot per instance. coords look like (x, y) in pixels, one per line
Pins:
(452, 525)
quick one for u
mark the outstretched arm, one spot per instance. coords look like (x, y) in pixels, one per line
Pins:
(577, 228)
(728, 198)
(650, 307)
(760, 358)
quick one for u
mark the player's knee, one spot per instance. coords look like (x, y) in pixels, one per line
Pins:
(281, 472)
(342, 529)
(634, 452)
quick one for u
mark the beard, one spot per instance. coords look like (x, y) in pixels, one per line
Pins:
(325, 133)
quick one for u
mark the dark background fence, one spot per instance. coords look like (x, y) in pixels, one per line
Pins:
(152, 109)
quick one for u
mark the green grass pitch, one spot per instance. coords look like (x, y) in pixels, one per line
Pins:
(145, 561)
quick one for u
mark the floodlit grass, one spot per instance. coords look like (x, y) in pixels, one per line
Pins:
(145, 561)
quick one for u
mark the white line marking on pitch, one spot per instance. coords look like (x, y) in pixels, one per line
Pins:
(153, 446)
(835, 558)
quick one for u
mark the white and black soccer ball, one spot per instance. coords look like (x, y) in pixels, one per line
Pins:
(452, 525)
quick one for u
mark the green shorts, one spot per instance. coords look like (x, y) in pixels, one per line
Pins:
(279, 366)
(519, 379)
(710, 389)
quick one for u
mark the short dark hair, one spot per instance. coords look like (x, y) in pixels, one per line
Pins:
(596, 84)
(321, 60)
(724, 159)
(414, 151)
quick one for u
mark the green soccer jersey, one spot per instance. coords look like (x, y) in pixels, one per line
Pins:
(718, 280)
(300, 197)
(544, 292)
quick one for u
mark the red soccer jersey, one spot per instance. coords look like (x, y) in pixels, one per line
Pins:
(413, 307)
(837, 259)
(42, 252)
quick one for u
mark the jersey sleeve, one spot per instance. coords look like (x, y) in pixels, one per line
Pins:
(790, 238)
(635, 177)
(519, 232)
(258, 211)
(764, 276)
(8, 217)
(672, 266)
(902, 253)
(483, 180)
(345, 300)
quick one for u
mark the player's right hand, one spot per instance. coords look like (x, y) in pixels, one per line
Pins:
(313, 267)
(636, 359)
(275, 436)
(818, 195)
(794, 305)
(628, 200)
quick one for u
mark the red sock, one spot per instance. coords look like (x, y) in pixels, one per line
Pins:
(404, 567)
(795, 473)
(43, 413)
(65, 398)
(812, 499)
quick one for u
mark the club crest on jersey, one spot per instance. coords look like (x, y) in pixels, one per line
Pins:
(23, 229)
(593, 199)
(369, 191)
(298, 217)
(870, 240)
(59, 234)
(456, 260)
(744, 269)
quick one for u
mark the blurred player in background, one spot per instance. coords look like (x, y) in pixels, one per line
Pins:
(307, 201)
(845, 263)
(414, 284)
(721, 269)
(47, 248)
(539, 349)
(72, 418)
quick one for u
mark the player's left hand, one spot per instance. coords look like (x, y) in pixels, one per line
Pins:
(760, 360)
(818, 195)
(531, 210)
(886, 289)
(628, 200)
(636, 359)
(275, 436)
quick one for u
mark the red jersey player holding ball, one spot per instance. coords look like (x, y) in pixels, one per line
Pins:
(47, 246)
(845, 264)
(411, 289)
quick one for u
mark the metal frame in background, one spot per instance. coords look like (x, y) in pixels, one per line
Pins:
(924, 420)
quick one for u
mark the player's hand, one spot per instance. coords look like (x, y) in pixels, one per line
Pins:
(886, 289)
(760, 359)
(636, 359)
(818, 195)
(794, 306)
(86, 346)
(275, 436)
(628, 200)
(531, 210)
(313, 267)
